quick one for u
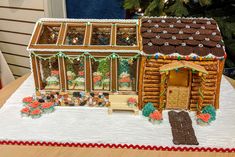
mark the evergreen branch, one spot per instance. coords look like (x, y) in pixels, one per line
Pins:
(131, 4)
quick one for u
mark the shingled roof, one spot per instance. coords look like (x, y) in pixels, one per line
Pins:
(184, 36)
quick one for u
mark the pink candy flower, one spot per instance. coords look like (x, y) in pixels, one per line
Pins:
(156, 115)
(204, 117)
(81, 73)
(36, 112)
(47, 105)
(132, 100)
(25, 110)
(34, 104)
(27, 99)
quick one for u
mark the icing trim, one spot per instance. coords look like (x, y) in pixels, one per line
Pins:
(108, 145)
(87, 20)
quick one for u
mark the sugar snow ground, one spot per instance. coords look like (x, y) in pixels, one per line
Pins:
(94, 125)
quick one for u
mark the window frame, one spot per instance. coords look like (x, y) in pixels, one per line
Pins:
(65, 73)
(91, 76)
(67, 25)
(100, 25)
(40, 32)
(39, 74)
(123, 25)
(137, 78)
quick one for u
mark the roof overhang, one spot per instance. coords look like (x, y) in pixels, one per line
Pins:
(182, 64)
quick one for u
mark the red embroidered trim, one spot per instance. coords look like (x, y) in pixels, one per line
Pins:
(129, 146)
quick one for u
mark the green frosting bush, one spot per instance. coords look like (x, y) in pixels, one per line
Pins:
(211, 110)
(148, 109)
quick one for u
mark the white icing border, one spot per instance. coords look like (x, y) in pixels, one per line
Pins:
(88, 20)
(82, 50)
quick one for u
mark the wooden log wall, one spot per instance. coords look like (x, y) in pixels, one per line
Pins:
(152, 80)
(208, 86)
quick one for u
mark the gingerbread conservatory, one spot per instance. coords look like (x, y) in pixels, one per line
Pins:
(175, 63)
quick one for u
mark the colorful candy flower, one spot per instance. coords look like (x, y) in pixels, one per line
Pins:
(25, 110)
(36, 112)
(156, 115)
(47, 105)
(81, 73)
(34, 104)
(204, 117)
(27, 100)
(96, 79)
(132, 100)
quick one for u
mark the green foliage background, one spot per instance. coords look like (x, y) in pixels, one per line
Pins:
(223, 11)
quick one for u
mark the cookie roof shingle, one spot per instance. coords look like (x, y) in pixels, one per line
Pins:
(181, 35)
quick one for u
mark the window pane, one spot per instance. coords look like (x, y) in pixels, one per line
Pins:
(49, 35)
(101, 36)
(75, 74)
(126, 36)
(49, 70)
(101, 74)
(127, 75)
(75, 35)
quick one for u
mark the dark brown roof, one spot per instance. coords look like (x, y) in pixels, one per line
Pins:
(181, 35)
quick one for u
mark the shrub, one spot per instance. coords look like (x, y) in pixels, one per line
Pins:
(148, 109)
(211, 110)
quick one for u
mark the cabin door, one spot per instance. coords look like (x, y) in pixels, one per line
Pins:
(178, 90)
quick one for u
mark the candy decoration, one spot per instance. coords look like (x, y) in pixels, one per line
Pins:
(187, 58)
(178, 57)
(130, 61)
(156, 56)
(225, 55)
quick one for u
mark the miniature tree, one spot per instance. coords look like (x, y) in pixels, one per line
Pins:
(124, 67)
(103, 67)
(148, 109)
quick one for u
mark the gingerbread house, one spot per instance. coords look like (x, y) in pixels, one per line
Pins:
(175, 63)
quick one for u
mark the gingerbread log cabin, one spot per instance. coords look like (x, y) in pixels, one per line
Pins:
(174, 63)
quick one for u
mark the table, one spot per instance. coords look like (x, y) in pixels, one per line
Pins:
(38, 151)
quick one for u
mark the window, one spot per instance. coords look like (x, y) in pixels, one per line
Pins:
(101, 35)
(100, 74)
(49, 34)
(75, 74)
(75, 35)
(49, 71)
(127, 72)
(126, 36)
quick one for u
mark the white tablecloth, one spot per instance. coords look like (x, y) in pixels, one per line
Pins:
(94, 125)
